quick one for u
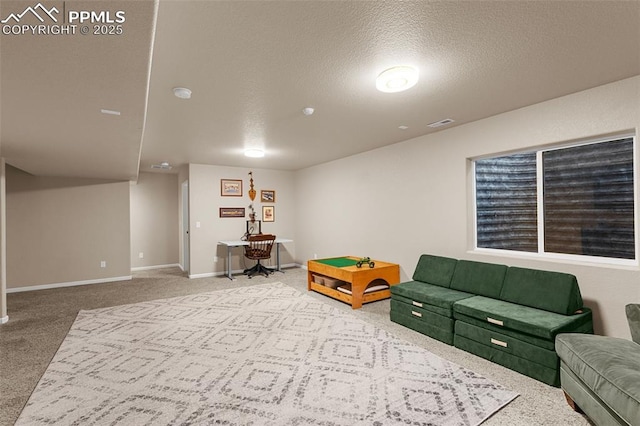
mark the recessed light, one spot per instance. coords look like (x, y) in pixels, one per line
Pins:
(182, 92)
(397, 79)
(308, 111)
(403, 127)
(254, 153)
(110, 112)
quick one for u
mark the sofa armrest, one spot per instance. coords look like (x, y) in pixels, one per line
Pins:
(633, 317)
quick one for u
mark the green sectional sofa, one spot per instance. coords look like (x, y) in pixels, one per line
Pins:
(600, 375)
(508, 315)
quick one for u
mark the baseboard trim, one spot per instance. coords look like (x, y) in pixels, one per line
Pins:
(207, 275)
(146, 268)
(68, 284)
(4, 319)
(235, 271)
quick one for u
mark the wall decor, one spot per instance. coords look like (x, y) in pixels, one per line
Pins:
(252, 192)
(268, 196)
(231, 187)
(231, 211)
(268, 214)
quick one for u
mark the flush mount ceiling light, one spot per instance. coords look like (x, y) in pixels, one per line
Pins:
(254, 153)
(182, 92)
(397, 79)
(308, 111)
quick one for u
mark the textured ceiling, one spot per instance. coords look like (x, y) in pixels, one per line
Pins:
(52, 88)
(253, 67)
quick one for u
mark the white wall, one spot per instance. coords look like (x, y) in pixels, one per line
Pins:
(60, 229)
(154, 220)
(400, 201)
(3, 244)
(204, 204)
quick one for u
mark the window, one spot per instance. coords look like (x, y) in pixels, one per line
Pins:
(576, 200)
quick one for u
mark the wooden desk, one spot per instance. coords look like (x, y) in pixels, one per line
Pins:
(239, 243)
(359, 278)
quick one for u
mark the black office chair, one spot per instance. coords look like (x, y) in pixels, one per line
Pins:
(259, 248)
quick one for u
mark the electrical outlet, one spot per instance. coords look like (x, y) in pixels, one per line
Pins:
(103, 263)
(315, 255)
(141, 255)
(215, 258)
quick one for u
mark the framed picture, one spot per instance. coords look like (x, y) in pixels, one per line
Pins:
(268, 196)
(231, 211)
(268, 214)
(231, 187)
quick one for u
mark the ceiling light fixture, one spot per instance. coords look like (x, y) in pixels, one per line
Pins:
(308, 111)
(182, 92)
(397, 79)
(254, 153)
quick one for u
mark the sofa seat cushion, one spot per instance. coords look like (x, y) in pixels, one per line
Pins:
(426, 322)
(523, 319)
(533, 340)
(521, 365)
(427, 294)
(422, 314)
(421, 306)
(508, 344)
(609, 367)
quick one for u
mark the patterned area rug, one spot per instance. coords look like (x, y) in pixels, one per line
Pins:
(260, 355)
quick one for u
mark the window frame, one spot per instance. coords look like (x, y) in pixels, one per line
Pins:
(541, 254)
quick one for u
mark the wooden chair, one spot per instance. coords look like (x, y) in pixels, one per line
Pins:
(259, 248)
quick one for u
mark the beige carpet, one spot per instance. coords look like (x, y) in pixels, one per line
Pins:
(267, 355)
(40, 320)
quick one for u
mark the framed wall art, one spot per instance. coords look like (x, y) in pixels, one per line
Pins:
(231, 187)
(268, 196)
(268, 214)
(231, 211)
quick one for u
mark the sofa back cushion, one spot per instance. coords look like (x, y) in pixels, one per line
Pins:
(633, 317)
(484, 279)
(551, 291)
(435, 270)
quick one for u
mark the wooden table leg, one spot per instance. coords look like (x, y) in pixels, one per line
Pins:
(572, 403)
(357, 293)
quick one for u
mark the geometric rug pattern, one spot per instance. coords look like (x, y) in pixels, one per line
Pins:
(259, 355)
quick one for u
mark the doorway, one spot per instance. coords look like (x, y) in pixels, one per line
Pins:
(185, 226)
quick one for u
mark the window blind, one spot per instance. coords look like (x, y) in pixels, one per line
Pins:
(588, 200)
(506, 211)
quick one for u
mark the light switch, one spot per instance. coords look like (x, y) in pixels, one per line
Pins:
(197, 224)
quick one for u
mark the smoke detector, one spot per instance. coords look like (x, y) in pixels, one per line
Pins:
(163, 166)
